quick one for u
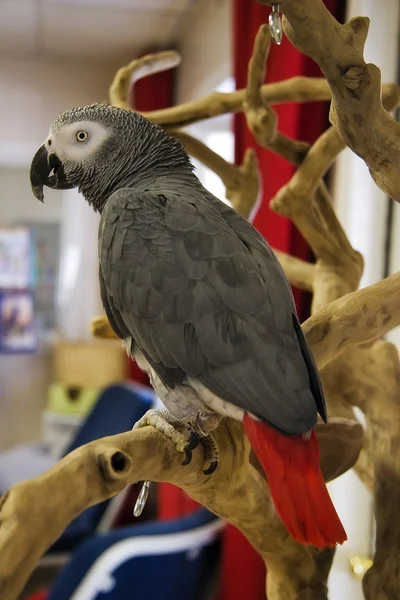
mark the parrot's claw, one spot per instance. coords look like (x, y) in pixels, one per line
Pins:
(213, 467)
(191, 445)
(184, 436)
(212, 454)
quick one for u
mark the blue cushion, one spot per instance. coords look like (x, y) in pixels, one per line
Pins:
(117, 410)
(169, 573)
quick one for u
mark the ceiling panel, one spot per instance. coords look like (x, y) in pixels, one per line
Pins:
(102, 33)
(18, 26)
(159, 5)
(89, 29)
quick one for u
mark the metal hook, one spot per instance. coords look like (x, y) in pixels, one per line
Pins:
(141, 499)
(275, 24)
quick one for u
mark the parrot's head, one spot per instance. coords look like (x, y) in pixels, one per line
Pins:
(99, 148)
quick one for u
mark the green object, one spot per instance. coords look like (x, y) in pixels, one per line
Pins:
(71, 400)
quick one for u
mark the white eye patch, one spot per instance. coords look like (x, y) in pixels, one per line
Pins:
(77, 141)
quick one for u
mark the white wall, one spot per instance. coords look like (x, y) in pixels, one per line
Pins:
(33, 92)
(78, 291)
(18, 203)
(205, 46)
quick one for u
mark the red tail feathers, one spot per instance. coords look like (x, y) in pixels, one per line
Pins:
(297, 487)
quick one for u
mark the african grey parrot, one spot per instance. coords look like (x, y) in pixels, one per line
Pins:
(200, 302)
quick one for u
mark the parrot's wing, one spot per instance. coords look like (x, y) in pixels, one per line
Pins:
(200, 301)
(265, 256)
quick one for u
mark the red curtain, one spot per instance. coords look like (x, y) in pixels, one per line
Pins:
(153, 93)
(243, 572)
(42, 595)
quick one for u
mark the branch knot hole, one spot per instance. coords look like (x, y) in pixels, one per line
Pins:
(114, 464)
(120, 462)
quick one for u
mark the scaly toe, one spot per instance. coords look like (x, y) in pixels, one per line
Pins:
(180, 433)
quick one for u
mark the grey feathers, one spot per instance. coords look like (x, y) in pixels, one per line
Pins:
(204, 296)
(136, 151)
(193, 285)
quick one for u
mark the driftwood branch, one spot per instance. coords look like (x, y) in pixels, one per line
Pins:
(356, 110)
(102, 469)
(296, 200)
(295, 89)
(144, 66)
(261, 118)
(354, 320)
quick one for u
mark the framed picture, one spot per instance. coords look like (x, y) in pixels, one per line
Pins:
(16, 258)
(45, 255)
(17, 322)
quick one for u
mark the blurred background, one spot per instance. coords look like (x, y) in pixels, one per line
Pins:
(56, 54)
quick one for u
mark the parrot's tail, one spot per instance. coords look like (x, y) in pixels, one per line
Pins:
(298, 490)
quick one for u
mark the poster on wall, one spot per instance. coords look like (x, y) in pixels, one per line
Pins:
(45, 258)
(16, 258)
(17, 322)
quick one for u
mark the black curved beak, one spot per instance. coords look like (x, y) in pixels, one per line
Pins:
(47, 170)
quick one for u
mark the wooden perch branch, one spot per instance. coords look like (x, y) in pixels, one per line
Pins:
(100, 327)
(356, 110)
(141, 67)
(299, 272)
(354, 320)
(295, 89)
(261, 119)
(102, 469)
(305, 198)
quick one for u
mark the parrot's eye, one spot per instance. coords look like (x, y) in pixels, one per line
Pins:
(82, 136)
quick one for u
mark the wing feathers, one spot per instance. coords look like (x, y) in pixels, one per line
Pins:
(203, 295)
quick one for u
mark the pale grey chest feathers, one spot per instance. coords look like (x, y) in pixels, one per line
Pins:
(187, 400)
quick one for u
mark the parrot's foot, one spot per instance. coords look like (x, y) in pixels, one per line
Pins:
(186, 434)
